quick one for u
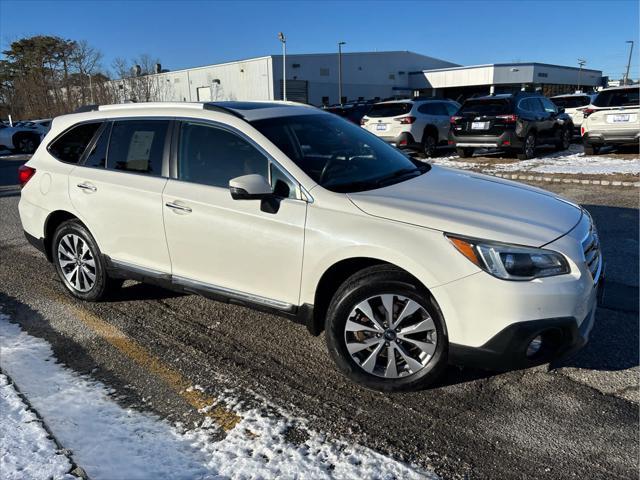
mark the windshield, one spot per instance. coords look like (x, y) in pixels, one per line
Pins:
(624, 97)
(338, 155)
(571, 102)
(485, 107)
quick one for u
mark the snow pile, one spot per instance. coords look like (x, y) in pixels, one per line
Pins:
(112, 442)
(26, 451)
(572, 164)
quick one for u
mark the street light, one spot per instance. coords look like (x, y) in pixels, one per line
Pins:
(582, 63)
(626, 75)
(283, 39)
(340, 71)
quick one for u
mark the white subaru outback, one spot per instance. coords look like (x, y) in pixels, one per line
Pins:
(294, 211)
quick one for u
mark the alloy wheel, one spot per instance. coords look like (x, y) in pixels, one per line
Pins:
(429, 145)
(566, 138)
(77, 262)
(390, 336)
(530, 146)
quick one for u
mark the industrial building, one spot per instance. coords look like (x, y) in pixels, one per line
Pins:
(311, 78)
(459, 82)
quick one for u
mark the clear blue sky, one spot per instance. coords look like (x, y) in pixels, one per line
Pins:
(191, 33)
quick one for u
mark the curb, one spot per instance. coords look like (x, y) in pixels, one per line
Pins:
(612, 183)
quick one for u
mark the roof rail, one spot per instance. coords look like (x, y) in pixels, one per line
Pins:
(213, 107)
(87, 108)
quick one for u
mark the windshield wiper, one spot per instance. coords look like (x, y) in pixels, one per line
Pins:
(403, 172)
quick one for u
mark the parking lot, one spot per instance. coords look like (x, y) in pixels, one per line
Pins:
(574, 419)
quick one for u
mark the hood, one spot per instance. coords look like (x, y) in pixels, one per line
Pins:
(473, 205)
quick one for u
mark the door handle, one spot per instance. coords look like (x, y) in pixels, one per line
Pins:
(177, 208)
(87, 187)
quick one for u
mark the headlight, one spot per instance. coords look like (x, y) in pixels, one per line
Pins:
(511, 262)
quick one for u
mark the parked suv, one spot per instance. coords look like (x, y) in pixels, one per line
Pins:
(613, 119)
(420, 125)
(295, 211)
(574, 104)
(514, 122)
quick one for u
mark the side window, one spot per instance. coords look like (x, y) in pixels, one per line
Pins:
(452, 108)
(70, 146)
(97, 157)
(213, 156)
(548, 105)
(280, 184)
(427, 109)
(440, 109)
(137, 146)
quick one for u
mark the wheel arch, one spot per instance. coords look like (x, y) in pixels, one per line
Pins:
(430, 129)
(336, 274)
(52, 222)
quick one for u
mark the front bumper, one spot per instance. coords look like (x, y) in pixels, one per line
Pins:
(508, 139)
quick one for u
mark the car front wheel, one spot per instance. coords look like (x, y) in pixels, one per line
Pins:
(79, 263)
(384, 332)
(565, 138)
(429, 144)
(528, 148)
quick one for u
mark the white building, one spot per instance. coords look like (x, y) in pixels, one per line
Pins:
(462, 82)
(311, 78)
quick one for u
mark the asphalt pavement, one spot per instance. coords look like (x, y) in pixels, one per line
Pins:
(574, 419)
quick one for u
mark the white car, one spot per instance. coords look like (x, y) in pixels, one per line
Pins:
(574, 104)
(291, 210)
(613, 119)
(19, 139)
(421, 125)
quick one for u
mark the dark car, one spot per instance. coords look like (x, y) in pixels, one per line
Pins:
(351, 112)
(518, 122)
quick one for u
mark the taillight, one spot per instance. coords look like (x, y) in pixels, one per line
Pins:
(24, 174)
(454, 119)
(588, 111)
(406, 120)
(508, 118)
(582, 130)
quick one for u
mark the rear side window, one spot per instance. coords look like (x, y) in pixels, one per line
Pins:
(389, 109)
(137, 146)
(213, 156)
(625, 97)
(71, 145)
(548, 105)
(486, 107)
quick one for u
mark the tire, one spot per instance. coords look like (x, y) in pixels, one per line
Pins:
(528, 147)
(73, 243)
(565, 139)
(369, 366)
(591, 149)
(429, 144)
(464, 152)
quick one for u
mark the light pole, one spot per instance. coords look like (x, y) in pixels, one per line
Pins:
(582, 63)
(626, 75)
(90, 88)
(283, 39)
(340, 72)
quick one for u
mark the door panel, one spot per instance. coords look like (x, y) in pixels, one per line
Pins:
(233, 243)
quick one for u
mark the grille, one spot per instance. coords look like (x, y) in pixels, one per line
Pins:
(591, 247)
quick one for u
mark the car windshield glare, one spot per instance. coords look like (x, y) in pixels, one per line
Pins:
(485, 107)
(337, 154)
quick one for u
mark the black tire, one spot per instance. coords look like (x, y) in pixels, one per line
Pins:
(378, 280)
(102, 285)
(464, 152)
(429, 144)
(591, 149)
(528, 147)
(565, 139)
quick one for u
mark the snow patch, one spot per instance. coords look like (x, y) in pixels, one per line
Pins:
(110, 442)
(26, 451)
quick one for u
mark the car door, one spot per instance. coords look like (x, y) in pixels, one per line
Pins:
(551, 119)
(117, 191)
(246, 249)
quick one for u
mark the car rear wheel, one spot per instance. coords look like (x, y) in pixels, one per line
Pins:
(464, 152)
(528, 148)
(591, 149)
(79, 263)
(429, 144)
(384, 332)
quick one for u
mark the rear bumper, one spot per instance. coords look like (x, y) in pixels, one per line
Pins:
(611, 138)
(507, 140)
(404, 140)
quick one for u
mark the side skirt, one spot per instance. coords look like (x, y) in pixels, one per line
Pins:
(302, 314)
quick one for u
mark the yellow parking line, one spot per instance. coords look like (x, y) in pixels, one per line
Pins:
(225, 418)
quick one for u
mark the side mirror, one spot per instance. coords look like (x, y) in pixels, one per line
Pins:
(250, 187)
(560, 109)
